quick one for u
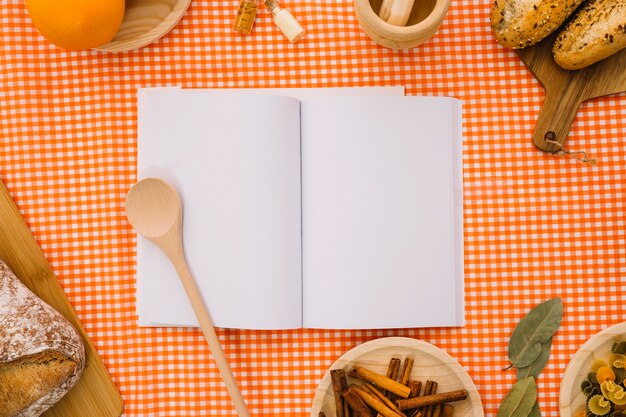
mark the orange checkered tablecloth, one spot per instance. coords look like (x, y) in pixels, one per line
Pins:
(536, 226)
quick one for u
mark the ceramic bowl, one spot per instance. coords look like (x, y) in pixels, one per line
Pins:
(425, 19)
(146, 21)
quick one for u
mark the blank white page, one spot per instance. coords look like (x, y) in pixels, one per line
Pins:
(235, 158)
(382, 212)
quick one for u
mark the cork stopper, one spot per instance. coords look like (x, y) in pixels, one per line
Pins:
(272, 5)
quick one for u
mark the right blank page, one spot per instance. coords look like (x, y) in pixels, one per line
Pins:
(382, 212)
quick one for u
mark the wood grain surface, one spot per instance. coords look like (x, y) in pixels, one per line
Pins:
(430, 362)
(94, 395)
(424, 21)
(146, 21)
(567, 90)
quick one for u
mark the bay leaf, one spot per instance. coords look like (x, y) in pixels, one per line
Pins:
(536, 328)
(535, 412)
(537, 366)
(520, 401)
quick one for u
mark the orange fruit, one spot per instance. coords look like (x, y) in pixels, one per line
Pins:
(77, 24)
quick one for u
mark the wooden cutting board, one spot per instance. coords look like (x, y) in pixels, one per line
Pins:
(95, 394)
(567, 90)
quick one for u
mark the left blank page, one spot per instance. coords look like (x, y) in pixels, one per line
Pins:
(235, 159)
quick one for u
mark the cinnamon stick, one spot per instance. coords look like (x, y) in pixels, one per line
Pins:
(392, 373)
(406, 371)
(356, 402)
(375, 403)
(428, 412)
(416, 388)
(380, 381)
(447, 410)
(375, 392)
(428, 390)
(427, 400)
(338, 378)
(394, 363)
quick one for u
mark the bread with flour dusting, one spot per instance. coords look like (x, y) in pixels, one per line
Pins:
(522, 23)
(41, 355)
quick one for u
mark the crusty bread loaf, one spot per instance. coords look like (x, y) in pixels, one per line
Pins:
(41, 354)
(597, 31)
(521, 23)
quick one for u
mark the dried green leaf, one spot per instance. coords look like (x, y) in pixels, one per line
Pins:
(535, 412)
(520, 401)
(532, 331)
(537, 366)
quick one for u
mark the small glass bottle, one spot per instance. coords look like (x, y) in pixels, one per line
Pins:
(244, 21)
(285, 21)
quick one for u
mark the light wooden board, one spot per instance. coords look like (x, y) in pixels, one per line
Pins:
(567, 90)
(430, 363)
(95, 394)
(146, 21)
(571, 398)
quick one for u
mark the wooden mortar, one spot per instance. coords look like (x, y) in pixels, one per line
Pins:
(425, 19)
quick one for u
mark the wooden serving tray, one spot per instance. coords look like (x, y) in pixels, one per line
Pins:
(567, 90)
(95, 394)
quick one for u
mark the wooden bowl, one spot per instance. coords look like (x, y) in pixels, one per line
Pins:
(146, 21)
(571, 398)
(425, 19)
(430, 363)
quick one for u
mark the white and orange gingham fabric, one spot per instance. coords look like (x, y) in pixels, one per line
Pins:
(536, 226)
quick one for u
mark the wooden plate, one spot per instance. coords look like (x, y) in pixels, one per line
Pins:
(597, 347)
(430, 363)
(146, 21)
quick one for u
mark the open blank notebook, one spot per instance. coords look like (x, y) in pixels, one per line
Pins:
(324, 212)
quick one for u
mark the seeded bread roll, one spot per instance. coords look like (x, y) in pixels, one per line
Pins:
(521, 23)
(41, 354)
(597, 31)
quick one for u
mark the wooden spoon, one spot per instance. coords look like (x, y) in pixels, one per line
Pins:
(154, 209)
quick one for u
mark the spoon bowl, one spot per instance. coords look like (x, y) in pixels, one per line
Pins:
(153, 208)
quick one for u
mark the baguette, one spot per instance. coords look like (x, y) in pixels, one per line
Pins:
(521, 23)
(597, 31)
(41, 354)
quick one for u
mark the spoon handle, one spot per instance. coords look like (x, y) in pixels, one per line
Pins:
(178, 259)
